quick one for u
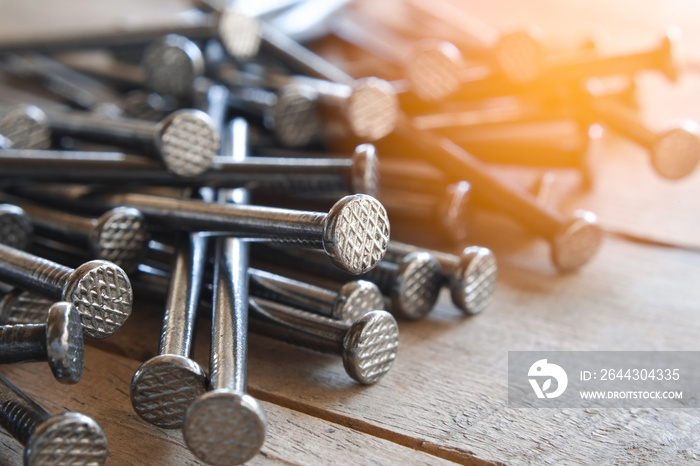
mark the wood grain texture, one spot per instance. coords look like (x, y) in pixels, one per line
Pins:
(292, 437)
(446, 394)
(445, 399)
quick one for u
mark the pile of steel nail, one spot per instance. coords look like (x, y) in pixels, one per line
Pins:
(166, 162)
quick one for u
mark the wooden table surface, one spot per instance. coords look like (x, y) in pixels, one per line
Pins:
(445, 400)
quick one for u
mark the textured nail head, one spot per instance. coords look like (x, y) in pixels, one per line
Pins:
(164, 387)
(101, 291)
(473, 281)
(27, 127)
(519, 57)
(295, 116)
(223, 428)
(15, 226)
(121, 237)
(355, 299)
(417, 285)
(434, 69)
(171, 64)
(370, 346)
(356, 233)
(188, 142)
(64, 342)
(372, 108)
(577, 242)
(67, 439)
(239, 34)
(365, 170)
(23, 307)
(676, 153)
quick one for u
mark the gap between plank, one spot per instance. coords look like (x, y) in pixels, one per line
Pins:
(455, 455)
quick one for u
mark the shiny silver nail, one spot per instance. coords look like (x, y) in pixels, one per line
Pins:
(63, 439)
(75, 87)
(120, 235)
(226, 425)
(171, 65)
(412, 283)
(59, 341)
(166, 385)
(470, 276)
(186, 141)
(23, 307)
(664, 57)
(354, 174)
(353, 233)
(348, 303)
(100, 290)
(15, 226)
(367, 346)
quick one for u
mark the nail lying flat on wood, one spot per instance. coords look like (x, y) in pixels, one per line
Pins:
(471, 276)
(368, 345)
(573, 240)
(63, 439)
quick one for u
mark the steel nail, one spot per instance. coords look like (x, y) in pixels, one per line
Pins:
(442, 214)
(63, 439)
(674, 153)
(369, 105)
(186, 140)
(471, 275)
(238, 32)
(574, 240)
(23, 307)
(291, 112)
(15, 226)
(664, 57)
(353, 233)
(226, 425)
(77, 88)
(518, 55)
(120, 235)
(368, 345)
(59, 341)
(359, 172)
(171, 65)
(166, 385)
(349, 303)
(355, 174)
(100, 290)
(412, 284)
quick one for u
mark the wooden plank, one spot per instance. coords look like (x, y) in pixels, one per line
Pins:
(446, 394)
(447, 391)
(292, 437)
